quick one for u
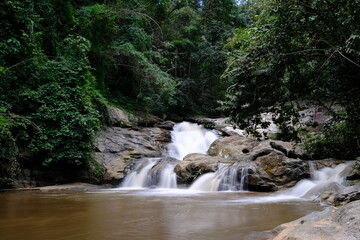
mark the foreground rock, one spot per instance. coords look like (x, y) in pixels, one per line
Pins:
(116, 146)
(331, 224)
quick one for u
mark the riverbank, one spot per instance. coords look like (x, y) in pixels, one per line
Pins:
(333, 223)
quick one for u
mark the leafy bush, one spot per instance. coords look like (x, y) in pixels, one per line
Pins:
(337, 140)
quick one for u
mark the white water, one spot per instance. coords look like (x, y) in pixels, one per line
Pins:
(322, 180)
(225, 179)
(154, 172)
(168, 178)
(139, 177)
(190, 138)
(325, 179)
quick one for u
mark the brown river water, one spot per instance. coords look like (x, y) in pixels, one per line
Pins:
(144, 214)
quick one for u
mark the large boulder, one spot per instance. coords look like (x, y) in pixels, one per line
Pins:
(275, 171)
(118, 118)
(234, 147)
(114, 147)
(249, 148)
(195, 164)
(272, 165)
(332, 223)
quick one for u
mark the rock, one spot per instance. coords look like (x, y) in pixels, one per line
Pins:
(168, 125)
(290, 149)
(275, 171)
(146, 119)
(195, 164)
(174, 117)
(159, 135)
(328, 162)
(335, 198)
(333, 223)
(116, 146)
(118, 118)
(234, 147)
(256, 184)
(355, 173)
(275, 164)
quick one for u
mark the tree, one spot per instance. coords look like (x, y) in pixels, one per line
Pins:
(299, 51)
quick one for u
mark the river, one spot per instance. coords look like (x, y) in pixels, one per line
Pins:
(143, 214)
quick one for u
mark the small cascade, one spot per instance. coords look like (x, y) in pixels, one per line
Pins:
(325, 179)
(243, 178)
(190, 138)
(226, 178)
(139, 177)
(159, 172)
(162, 175)
(151, 172)
(208, 182)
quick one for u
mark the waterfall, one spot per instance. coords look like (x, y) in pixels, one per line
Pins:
(226, 178)
(325, 179)
(193, 138)
(159, 172)
(190, 138)
(162, 175)
(139, 177)
(151, 172)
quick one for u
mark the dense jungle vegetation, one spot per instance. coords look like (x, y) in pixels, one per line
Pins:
(63, 61)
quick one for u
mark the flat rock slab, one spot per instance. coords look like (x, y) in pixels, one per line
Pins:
(340, 223)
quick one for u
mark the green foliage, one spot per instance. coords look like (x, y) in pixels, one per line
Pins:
(61, 61)
(357, 164)
(337, 141)
(297, 52)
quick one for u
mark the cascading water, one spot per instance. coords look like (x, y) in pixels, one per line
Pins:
(226, 178)
(190, 138)
(162, 175)
(325, 179)
(322, 180)
(139, 177)
(159, 172)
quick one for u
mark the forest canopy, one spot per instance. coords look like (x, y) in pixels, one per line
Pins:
(63, 61)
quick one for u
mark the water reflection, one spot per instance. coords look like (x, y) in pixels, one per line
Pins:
(141, 215)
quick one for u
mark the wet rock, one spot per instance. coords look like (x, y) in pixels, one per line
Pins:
(337, 198)
(355, 173)
(332, 223)
(196, 164)
(328, 162)
(273, 163)
(118, 118)
(256, 184)
(116, 146)
(275, 171)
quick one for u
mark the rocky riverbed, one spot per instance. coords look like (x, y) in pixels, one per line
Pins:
(271, 165)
